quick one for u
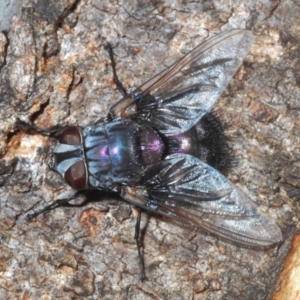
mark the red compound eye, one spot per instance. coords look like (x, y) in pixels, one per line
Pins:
(70, 136)
(76, 177)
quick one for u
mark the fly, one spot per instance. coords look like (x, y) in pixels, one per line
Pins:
(150, 148)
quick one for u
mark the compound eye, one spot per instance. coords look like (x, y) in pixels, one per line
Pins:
(70, 136)
(76, 176)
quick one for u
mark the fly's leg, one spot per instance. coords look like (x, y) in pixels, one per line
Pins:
(138, 244)
(60, 202)
(27, 127)
(116, 79)
(52, 206)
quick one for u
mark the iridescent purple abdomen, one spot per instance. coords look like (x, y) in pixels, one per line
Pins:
(185, 142)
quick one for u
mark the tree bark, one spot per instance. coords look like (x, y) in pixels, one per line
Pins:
(55, 71)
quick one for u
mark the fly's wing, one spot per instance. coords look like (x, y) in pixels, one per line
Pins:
(178, 97)
(190, 190)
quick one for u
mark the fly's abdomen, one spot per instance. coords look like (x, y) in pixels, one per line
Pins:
(185, 143)
(206, 141)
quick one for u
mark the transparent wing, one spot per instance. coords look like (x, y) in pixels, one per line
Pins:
(178, 97)
(190, 190)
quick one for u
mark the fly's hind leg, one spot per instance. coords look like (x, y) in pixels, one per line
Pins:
(137, 238)
(116, 79)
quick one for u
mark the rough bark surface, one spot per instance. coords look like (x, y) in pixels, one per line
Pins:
(55, 70)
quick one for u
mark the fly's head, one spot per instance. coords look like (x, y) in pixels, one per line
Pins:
(68, 158)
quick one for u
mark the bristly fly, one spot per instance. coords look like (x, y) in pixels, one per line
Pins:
(155, 148)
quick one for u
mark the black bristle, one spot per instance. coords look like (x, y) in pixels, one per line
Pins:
(213, 143)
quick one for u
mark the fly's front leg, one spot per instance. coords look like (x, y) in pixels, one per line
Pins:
(116, 79)
(65, 202)
(27, 127)
(50, 207)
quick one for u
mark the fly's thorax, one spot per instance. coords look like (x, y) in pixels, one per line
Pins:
(111, 155)
(118, 152)
(68, 158)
